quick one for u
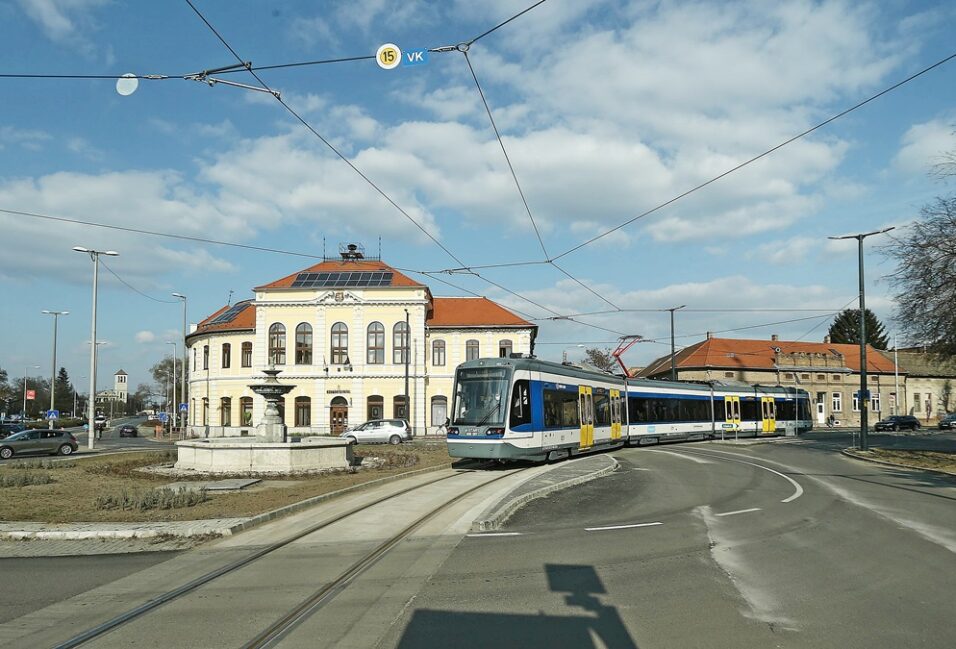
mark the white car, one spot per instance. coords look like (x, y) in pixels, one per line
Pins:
(392, 431)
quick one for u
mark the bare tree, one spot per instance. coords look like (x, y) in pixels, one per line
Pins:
(600, 358)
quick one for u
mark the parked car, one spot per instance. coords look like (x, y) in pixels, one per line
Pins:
(948, 422)
(128, 430)
(38, 441)
(392, 431)
(9, 429)
(898, 422)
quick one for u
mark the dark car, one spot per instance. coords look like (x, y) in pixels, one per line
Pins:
(898, 422)
(38, 441)
(128, 430)
(9, 429)
(948, 422)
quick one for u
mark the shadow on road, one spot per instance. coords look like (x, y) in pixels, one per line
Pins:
(597, 626)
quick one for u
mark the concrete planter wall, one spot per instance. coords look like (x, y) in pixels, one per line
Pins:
(236, 455)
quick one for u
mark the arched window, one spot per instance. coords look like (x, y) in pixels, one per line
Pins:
(340, 343)
(438, 353)
(225, 411)
(303, 411)
(226, 355)
(504, 348)
(439, 410)
(277, 344)
(205, 411)
(205, 357)
(376, 343)
(245, 411)
(303, 344)
(471, 350)
(400, 343)
(376, 407)
(247, 354)
(400, 408)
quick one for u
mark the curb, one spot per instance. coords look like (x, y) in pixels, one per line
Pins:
(492, 519)
(187, 532)
(849, 453)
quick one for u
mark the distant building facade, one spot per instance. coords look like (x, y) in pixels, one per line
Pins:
(930, 383)
(345, 332)
(119, 392)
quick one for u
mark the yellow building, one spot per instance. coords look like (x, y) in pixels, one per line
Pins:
(348, 333)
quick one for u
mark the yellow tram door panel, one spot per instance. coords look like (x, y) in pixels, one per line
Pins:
(615, 415)
(587, 419)
(770, 415)
(733, 411)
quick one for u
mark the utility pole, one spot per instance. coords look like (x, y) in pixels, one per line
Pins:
(182, 392)
(406, 350)
(673, 353)
(56, 316)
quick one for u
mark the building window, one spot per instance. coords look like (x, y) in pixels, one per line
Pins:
(205, 357)
(837, 377)
(728, 375)
(875, 401)
(856, 402)
(194, 358)
(376, 407)
(917, 404)
(821, 377)
(303, 344)
(400, 408)
(471, 350)
(226, 355)
(837, 404)
(340, 344)
(787, 376)
(376, 343)
(805, 377)
(400, 343)
(277, 344)
(247, 354)
(245, 411)
(438, 353)
(225, 411)
(439, 410)
(205, 411)
(504, 348)
(303, 411)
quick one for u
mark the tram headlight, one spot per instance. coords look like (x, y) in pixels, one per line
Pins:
(452, 430)
(495, 431)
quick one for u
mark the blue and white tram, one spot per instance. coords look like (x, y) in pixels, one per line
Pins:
(528, 409)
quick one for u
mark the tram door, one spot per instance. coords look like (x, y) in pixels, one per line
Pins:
(732, 411)
(615, 414)
(586, 410)
(768, 410)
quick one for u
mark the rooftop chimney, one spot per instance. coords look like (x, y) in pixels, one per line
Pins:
(709, 335)
(774, 337)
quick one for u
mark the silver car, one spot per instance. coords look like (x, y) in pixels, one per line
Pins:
(38, 441)
(392, 431)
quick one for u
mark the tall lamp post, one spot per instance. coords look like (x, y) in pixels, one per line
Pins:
(26, 370)
(95, 258)
(673, 354)
(182, 393)
(864, 392)
(407, 349)
(56, 316)
(175, 406)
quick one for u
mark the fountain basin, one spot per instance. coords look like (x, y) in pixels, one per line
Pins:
(242, 455)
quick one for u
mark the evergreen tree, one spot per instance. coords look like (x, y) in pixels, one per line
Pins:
(64, 391)
(846, 329)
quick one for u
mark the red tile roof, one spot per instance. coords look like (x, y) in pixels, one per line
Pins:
(731, 353)
(245, 319)
(472, 312)
(398, 279)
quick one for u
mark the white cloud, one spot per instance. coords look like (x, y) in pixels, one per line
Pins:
(923, 145)
(145, 337)
(27, 138)
(66, 22)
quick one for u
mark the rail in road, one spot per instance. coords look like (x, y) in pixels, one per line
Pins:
(294, 616)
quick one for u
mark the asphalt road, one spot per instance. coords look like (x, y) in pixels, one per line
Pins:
(786, 544)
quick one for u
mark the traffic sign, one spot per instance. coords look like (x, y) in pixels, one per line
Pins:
(184, 407)
(163, 417)
(388, 56)
(52, 414)
(31, 394)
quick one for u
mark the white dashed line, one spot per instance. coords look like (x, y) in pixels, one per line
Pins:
(698, 460)
(740, 511)
(495, 534)
(620, 527)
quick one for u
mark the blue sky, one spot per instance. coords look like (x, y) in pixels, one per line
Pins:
(606, 108)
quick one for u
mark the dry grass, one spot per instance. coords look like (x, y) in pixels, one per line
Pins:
(73, 496)
(938, 460)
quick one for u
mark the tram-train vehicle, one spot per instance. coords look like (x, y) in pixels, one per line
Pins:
(523, 408)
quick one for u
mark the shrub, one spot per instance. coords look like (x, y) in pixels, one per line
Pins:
(41, 464)
(25, 479)
(164, 498)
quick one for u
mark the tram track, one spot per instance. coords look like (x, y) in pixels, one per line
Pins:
(314, 601)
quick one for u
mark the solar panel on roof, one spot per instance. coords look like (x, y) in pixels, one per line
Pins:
(342, 280)
(229, 314)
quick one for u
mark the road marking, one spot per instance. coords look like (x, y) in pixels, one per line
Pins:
(798, 490)
(637, 468)
(739, 511)
(620, 527)
(495, 534)
(686, 457)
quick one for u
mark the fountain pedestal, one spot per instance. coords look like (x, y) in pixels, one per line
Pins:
(271, 428)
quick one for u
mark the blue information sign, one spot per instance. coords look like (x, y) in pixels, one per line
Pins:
(52, 414)
(163, 417)
(415, 57)
(184, 407)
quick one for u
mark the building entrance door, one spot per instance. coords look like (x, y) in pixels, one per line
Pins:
(339, 415)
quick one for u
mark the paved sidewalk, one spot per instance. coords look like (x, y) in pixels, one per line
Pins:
(83, 531)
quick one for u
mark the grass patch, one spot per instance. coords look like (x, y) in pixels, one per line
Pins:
(109, 488)
(42, 464)
(25, 479)
(938, 460)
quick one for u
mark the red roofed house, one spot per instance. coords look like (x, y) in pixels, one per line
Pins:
(830, 372)
(338, 331)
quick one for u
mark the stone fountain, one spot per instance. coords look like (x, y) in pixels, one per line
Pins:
(270, 452)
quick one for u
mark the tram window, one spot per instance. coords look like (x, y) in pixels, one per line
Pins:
(749, 410)
(636, 409)
(520, 404)
(736, 409)
(602, 409)
(560, 409)
(786, 410)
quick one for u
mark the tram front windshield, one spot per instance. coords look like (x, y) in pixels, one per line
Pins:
(480, 396)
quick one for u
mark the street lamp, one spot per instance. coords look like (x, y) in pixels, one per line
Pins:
(95, 258)
(182, 393)
(564, 352)
(175, 407)
(56, 316)
(864, 393)
(26, 370)
(673, 356)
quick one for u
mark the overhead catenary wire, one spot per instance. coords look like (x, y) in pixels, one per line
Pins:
(133, 288)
